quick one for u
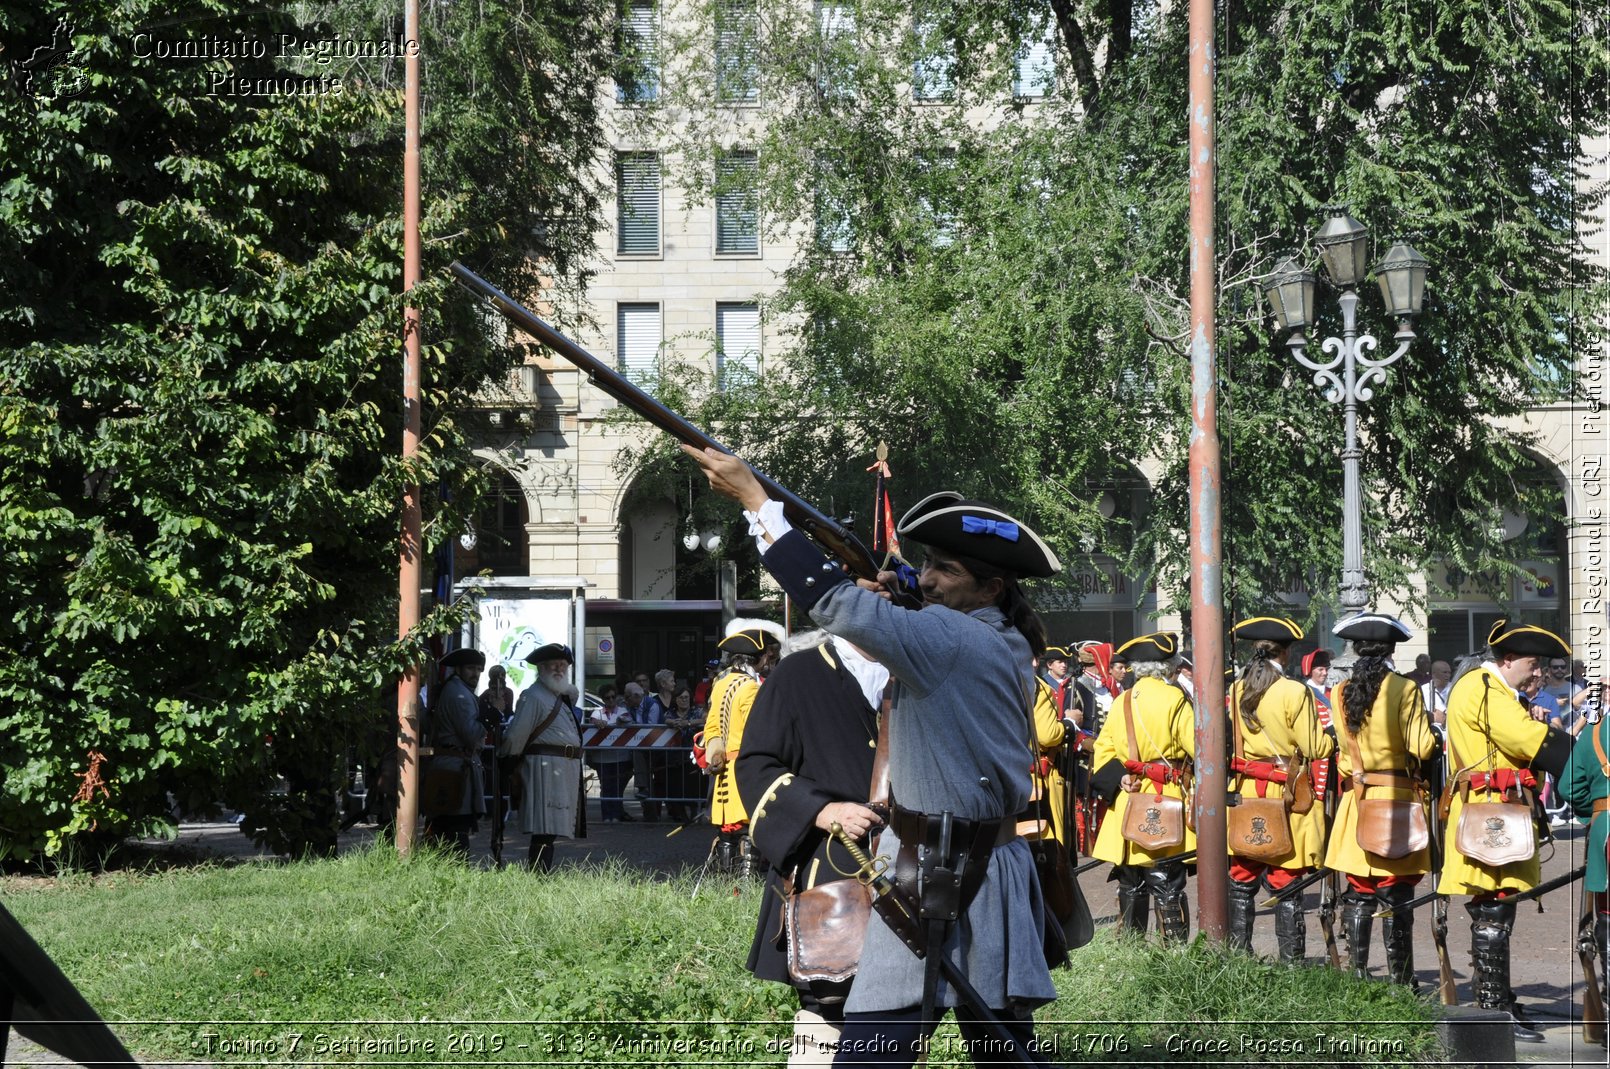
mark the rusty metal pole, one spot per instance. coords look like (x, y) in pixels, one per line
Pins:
(1207, 544)
(408, 571)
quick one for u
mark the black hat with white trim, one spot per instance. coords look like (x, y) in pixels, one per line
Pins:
(1159, 646)
(1372, 627)
(464, 658)
(1267, 629)
(1526, 640)
(553, 651)
(982, 532)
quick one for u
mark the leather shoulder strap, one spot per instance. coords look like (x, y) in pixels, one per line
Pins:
(1128, 702)
(1352, 752)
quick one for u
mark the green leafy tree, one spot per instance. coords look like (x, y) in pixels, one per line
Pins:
(994, 277)
(199, 352)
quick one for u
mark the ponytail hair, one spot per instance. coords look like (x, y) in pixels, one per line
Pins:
(1257, 677)
(1013, 603)
(1369, 672)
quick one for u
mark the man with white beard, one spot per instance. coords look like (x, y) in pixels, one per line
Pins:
(546, 745)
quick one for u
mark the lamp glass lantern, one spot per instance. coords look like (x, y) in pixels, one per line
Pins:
(1402, 276)
(1343, 245)
(1290, 292)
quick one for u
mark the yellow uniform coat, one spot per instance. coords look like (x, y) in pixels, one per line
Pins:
(1049, 735)
(1488, 729)
(1290, 725)
(730, 700)
(1396, 735)
(1165, 729)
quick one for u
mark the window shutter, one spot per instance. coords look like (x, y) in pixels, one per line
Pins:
(637, 194)
(738, 339)
(640, 33)
(637, 340)
(737, 52)
(737, 223)
(1036, 70)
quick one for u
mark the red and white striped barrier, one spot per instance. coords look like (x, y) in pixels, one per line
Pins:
(630, 736)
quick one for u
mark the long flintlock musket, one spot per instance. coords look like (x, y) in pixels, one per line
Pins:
(834, 537)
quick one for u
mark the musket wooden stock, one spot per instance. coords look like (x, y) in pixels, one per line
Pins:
(1587, 948)
(834, 538)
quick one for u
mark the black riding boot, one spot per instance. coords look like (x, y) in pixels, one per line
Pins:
(726, 860)
(1134, 904)
(750, 863)
(1166, 882)
(1491, 923)
(1242, 904)
(1397, 933)
(1358, 917)
(1291, 930)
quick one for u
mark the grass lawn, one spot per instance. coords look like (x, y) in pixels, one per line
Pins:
(369, 959)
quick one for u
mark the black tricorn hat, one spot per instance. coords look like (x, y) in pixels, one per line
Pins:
(1267, 629)
(463, 658)
(1055, 653)
(751, 640)
(1372, 627)
(1159, 646)
(1526, 640)
(983, 532)
(553, 651)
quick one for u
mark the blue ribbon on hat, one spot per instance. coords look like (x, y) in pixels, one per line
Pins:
(981, 525)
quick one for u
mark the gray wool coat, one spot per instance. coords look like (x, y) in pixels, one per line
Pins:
(959, 742)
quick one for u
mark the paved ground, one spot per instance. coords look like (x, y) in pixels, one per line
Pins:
(1546, 972)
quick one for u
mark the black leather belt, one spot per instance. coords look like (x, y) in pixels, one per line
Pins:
(913, 828)
(569, 752)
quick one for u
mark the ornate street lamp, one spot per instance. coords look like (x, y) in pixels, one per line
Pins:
(1347, 377)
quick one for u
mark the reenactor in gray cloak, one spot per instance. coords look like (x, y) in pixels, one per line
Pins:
(958, 765)
(456, 735)
(545, 743)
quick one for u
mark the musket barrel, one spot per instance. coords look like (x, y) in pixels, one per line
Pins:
(834, 536)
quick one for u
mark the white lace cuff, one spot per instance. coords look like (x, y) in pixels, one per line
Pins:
(768, 525)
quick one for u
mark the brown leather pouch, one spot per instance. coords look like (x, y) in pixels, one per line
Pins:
(444, 784)
(1391, 827)
(1496, 833)
(825, 927)
(1256, 828)
(1154, 823)
(1299, 785)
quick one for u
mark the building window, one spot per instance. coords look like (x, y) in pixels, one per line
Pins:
(737, 215)
(737, 344)
(637, 203)
(937, 190)
(637, 343)
(836, 35)
(637, 80)
(500, 541)
(1034, 75)
(737, 52)
(932, 72)
(834, 231)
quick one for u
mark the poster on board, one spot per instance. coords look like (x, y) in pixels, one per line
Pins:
(510, 628)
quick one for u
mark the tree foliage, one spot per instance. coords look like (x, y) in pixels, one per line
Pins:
(1007, 302)
(200, 342)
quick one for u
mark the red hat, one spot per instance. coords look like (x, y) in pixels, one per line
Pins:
(1315, 659)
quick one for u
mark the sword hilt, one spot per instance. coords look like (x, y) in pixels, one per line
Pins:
(870, 871)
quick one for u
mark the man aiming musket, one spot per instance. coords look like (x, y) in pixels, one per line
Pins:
(963, 672)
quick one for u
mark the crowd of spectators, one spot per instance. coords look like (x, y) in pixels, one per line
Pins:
(663, 780)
